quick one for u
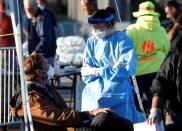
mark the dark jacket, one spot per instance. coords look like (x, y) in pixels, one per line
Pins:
(41, 34)
(177, 39)
(168, 83)
(49, 111)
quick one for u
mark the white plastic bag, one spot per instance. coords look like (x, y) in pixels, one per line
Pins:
(70, 50)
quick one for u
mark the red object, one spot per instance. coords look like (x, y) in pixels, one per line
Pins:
(6, 28)
(1, 6)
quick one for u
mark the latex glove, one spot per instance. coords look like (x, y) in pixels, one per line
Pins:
(118, 64)
(86, 71)
(155, 116)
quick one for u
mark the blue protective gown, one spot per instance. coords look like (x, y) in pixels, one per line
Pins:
(112, 87)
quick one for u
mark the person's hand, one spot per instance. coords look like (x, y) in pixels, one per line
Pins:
(155, 116)
(86, 71)
(99, 110)
(35, 52)
(118, 64)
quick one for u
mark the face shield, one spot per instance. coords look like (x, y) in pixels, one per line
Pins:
(92, 20)
(99, 27)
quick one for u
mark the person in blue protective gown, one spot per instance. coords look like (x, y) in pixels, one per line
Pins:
(109, 62)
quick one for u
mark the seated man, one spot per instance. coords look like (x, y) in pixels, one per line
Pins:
(49, 111)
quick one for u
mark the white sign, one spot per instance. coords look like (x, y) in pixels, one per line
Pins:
(145, 127)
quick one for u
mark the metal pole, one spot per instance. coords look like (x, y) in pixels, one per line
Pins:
(128, 10)
(27, 106)
(17, 30)
(138, 95)
(118, 11)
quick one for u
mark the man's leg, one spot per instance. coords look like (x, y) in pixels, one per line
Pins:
(110, 121)
(144, 83)
(107, 122)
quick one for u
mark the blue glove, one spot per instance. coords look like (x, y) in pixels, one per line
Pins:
(86, 71)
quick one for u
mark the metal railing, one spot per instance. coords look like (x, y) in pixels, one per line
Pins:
(9, 84)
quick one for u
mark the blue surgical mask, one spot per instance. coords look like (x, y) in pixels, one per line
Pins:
(99, 34)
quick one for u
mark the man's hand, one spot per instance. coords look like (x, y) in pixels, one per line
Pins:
(86, 71)
(35, 52)
(155, 116)
(99, 110)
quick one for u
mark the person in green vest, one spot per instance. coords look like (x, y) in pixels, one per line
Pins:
(151, 45)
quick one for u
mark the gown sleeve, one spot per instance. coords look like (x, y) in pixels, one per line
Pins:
(127, 57)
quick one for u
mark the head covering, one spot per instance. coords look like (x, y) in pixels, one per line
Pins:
(146, 8)
(92, 20)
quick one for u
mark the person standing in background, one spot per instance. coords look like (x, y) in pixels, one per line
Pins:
(6, 40)
(7, 35)
(151, 45)
(41, 33)
(89, 6)
(42, 6)
(167, 92)
(174, 13)
(6, 28)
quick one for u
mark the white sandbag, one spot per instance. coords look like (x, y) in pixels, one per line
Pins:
(70, 59)
(70, 41)
(70, 50)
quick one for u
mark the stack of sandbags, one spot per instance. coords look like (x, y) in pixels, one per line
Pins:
(70, 50)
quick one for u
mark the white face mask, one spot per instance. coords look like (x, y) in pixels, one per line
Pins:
(50, 72)
(100, 34)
